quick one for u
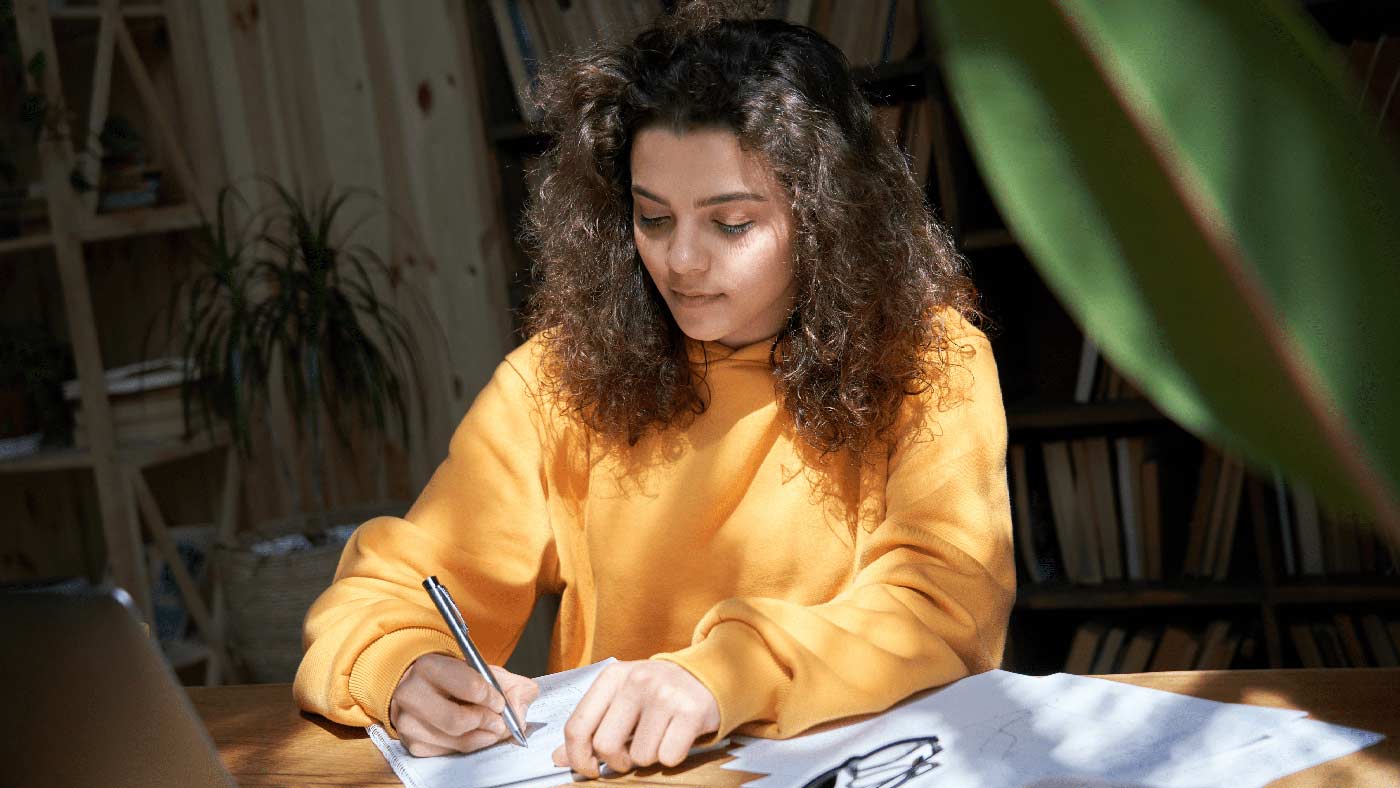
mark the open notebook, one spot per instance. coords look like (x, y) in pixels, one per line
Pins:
(505, 763)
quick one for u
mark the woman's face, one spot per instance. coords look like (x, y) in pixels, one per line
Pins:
(714, 230)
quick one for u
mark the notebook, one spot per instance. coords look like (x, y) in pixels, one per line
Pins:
(89, 699)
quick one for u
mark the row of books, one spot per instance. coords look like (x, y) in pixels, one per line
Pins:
(869, 32)
(1103, 502)
(1099, 647)
(145, 403)
(1346, 641)
(1215, 517)
(530, 31)
(1316, 542)
(1097, 380)
(913, 124)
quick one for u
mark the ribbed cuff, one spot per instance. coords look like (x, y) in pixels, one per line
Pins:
(377, 670)
(735, 665)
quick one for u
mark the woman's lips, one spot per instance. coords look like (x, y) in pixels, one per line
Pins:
(699, 299)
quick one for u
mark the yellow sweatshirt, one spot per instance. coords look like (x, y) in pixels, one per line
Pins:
(795, 596)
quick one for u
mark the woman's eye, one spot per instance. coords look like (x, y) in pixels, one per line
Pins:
(727, 229)
(647, 221)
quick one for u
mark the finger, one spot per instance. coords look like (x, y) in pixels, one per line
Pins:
(646, 739)
(520, 691)
(421, 740)
(615, 731)
(480, 740)
(459, 680)
(461, 736)
(457, 719)
(579, 730)
(677, 740)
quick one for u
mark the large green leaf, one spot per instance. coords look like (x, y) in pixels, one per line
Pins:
(1195, 182)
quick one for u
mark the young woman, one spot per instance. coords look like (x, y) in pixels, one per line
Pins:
(754, 441)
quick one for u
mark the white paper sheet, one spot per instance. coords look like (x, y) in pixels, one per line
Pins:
(504, 763)
(1001, 728)
(1290, 748)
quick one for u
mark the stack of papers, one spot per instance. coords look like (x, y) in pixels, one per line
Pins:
(1006, 729)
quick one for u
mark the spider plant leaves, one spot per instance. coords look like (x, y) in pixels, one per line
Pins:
(1195, 182)
(286, 290)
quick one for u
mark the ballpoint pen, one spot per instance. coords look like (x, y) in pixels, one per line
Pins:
(443, 600)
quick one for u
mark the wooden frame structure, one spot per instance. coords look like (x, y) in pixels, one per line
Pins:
(124, 496)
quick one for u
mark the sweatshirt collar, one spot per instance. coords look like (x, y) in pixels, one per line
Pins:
(701, 352)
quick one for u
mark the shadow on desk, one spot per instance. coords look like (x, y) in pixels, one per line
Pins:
(1364, 698)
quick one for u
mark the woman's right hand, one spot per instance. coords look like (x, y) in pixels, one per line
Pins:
(443, 706)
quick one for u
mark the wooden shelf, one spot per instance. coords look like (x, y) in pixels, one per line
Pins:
(93, 13)
(1121, 595)
(1340, 590)
(140, 221)
(25, 243)
(1069, 416)
(139, 455)
(117, 224)
(989, 239)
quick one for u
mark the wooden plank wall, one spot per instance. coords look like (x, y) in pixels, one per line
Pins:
(368, 94)
(373, 95)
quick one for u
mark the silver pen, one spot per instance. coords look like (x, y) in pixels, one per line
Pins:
(458, 625)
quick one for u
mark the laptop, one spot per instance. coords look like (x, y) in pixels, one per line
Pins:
(89, 701)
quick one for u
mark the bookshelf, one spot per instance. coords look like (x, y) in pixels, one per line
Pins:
(1238, 609)
(100, 59)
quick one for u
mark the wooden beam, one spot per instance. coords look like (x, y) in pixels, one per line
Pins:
(124, 548)
(160, 534)
(220, 663)
(164, 128)
(90, 160)
(441, 156)
(196, 95)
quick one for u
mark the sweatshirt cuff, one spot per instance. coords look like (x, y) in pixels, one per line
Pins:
(735, 665)
(376, 672)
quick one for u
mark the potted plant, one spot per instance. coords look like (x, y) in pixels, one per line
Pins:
(33, 366)
(287, 297)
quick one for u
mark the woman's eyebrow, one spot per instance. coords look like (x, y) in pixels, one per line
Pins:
(715, 200)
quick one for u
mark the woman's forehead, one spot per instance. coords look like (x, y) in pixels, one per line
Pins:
(696, 164)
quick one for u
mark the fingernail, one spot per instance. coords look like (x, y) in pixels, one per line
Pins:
(498, 726)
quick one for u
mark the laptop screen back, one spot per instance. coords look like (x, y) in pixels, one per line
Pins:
(90, 701)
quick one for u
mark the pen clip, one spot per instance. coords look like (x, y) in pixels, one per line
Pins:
(457, 612)
(452, 605)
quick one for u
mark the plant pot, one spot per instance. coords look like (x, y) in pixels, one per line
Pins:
(270, 578)
(16, 419)
(11, 205)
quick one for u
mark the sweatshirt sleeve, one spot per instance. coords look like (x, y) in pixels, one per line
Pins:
(481, 525)
(929, 601)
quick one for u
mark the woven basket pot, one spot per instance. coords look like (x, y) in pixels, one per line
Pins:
(267, 596)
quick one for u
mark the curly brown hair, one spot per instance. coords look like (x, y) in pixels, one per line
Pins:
(874, 269)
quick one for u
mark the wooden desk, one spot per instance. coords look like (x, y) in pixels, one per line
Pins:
(266, 741)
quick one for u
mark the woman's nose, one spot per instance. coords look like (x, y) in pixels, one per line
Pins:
(686, 253)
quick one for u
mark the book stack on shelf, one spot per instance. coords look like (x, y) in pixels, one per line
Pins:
(1346, 640)
(1315, 542)
(1105, 645)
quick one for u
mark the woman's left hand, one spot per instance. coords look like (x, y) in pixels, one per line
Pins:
(637, 714)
